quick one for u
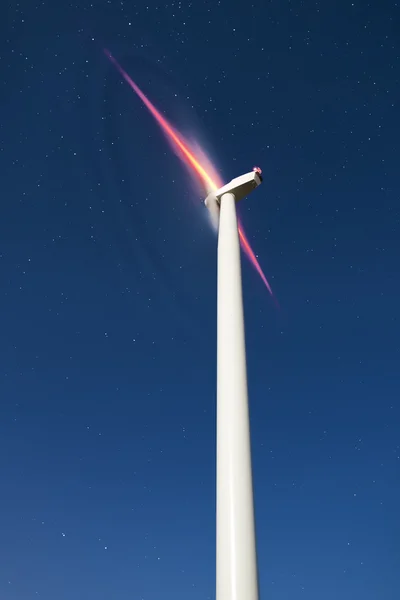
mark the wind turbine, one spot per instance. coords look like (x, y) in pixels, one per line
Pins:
(237, 577)
(236, 555)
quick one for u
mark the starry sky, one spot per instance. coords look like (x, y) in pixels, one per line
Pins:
(108, 295)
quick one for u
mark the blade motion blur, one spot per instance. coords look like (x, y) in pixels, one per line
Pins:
(206, 174)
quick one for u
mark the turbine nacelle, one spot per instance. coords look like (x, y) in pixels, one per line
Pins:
(239, 187)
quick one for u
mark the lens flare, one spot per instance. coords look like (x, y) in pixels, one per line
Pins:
(194, 158)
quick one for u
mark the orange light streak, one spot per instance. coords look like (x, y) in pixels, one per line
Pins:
(247, 248)
(187, 156)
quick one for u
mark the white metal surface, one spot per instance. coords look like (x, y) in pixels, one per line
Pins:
(236, 549)
(240, 186)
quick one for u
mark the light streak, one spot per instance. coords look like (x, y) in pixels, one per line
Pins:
(210, 182)
(252, 257)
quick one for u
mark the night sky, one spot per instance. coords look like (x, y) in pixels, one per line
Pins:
(108, 296)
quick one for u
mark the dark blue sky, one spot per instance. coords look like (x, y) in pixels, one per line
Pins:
(108, 296)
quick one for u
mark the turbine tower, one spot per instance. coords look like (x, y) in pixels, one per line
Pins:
(236, 556)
